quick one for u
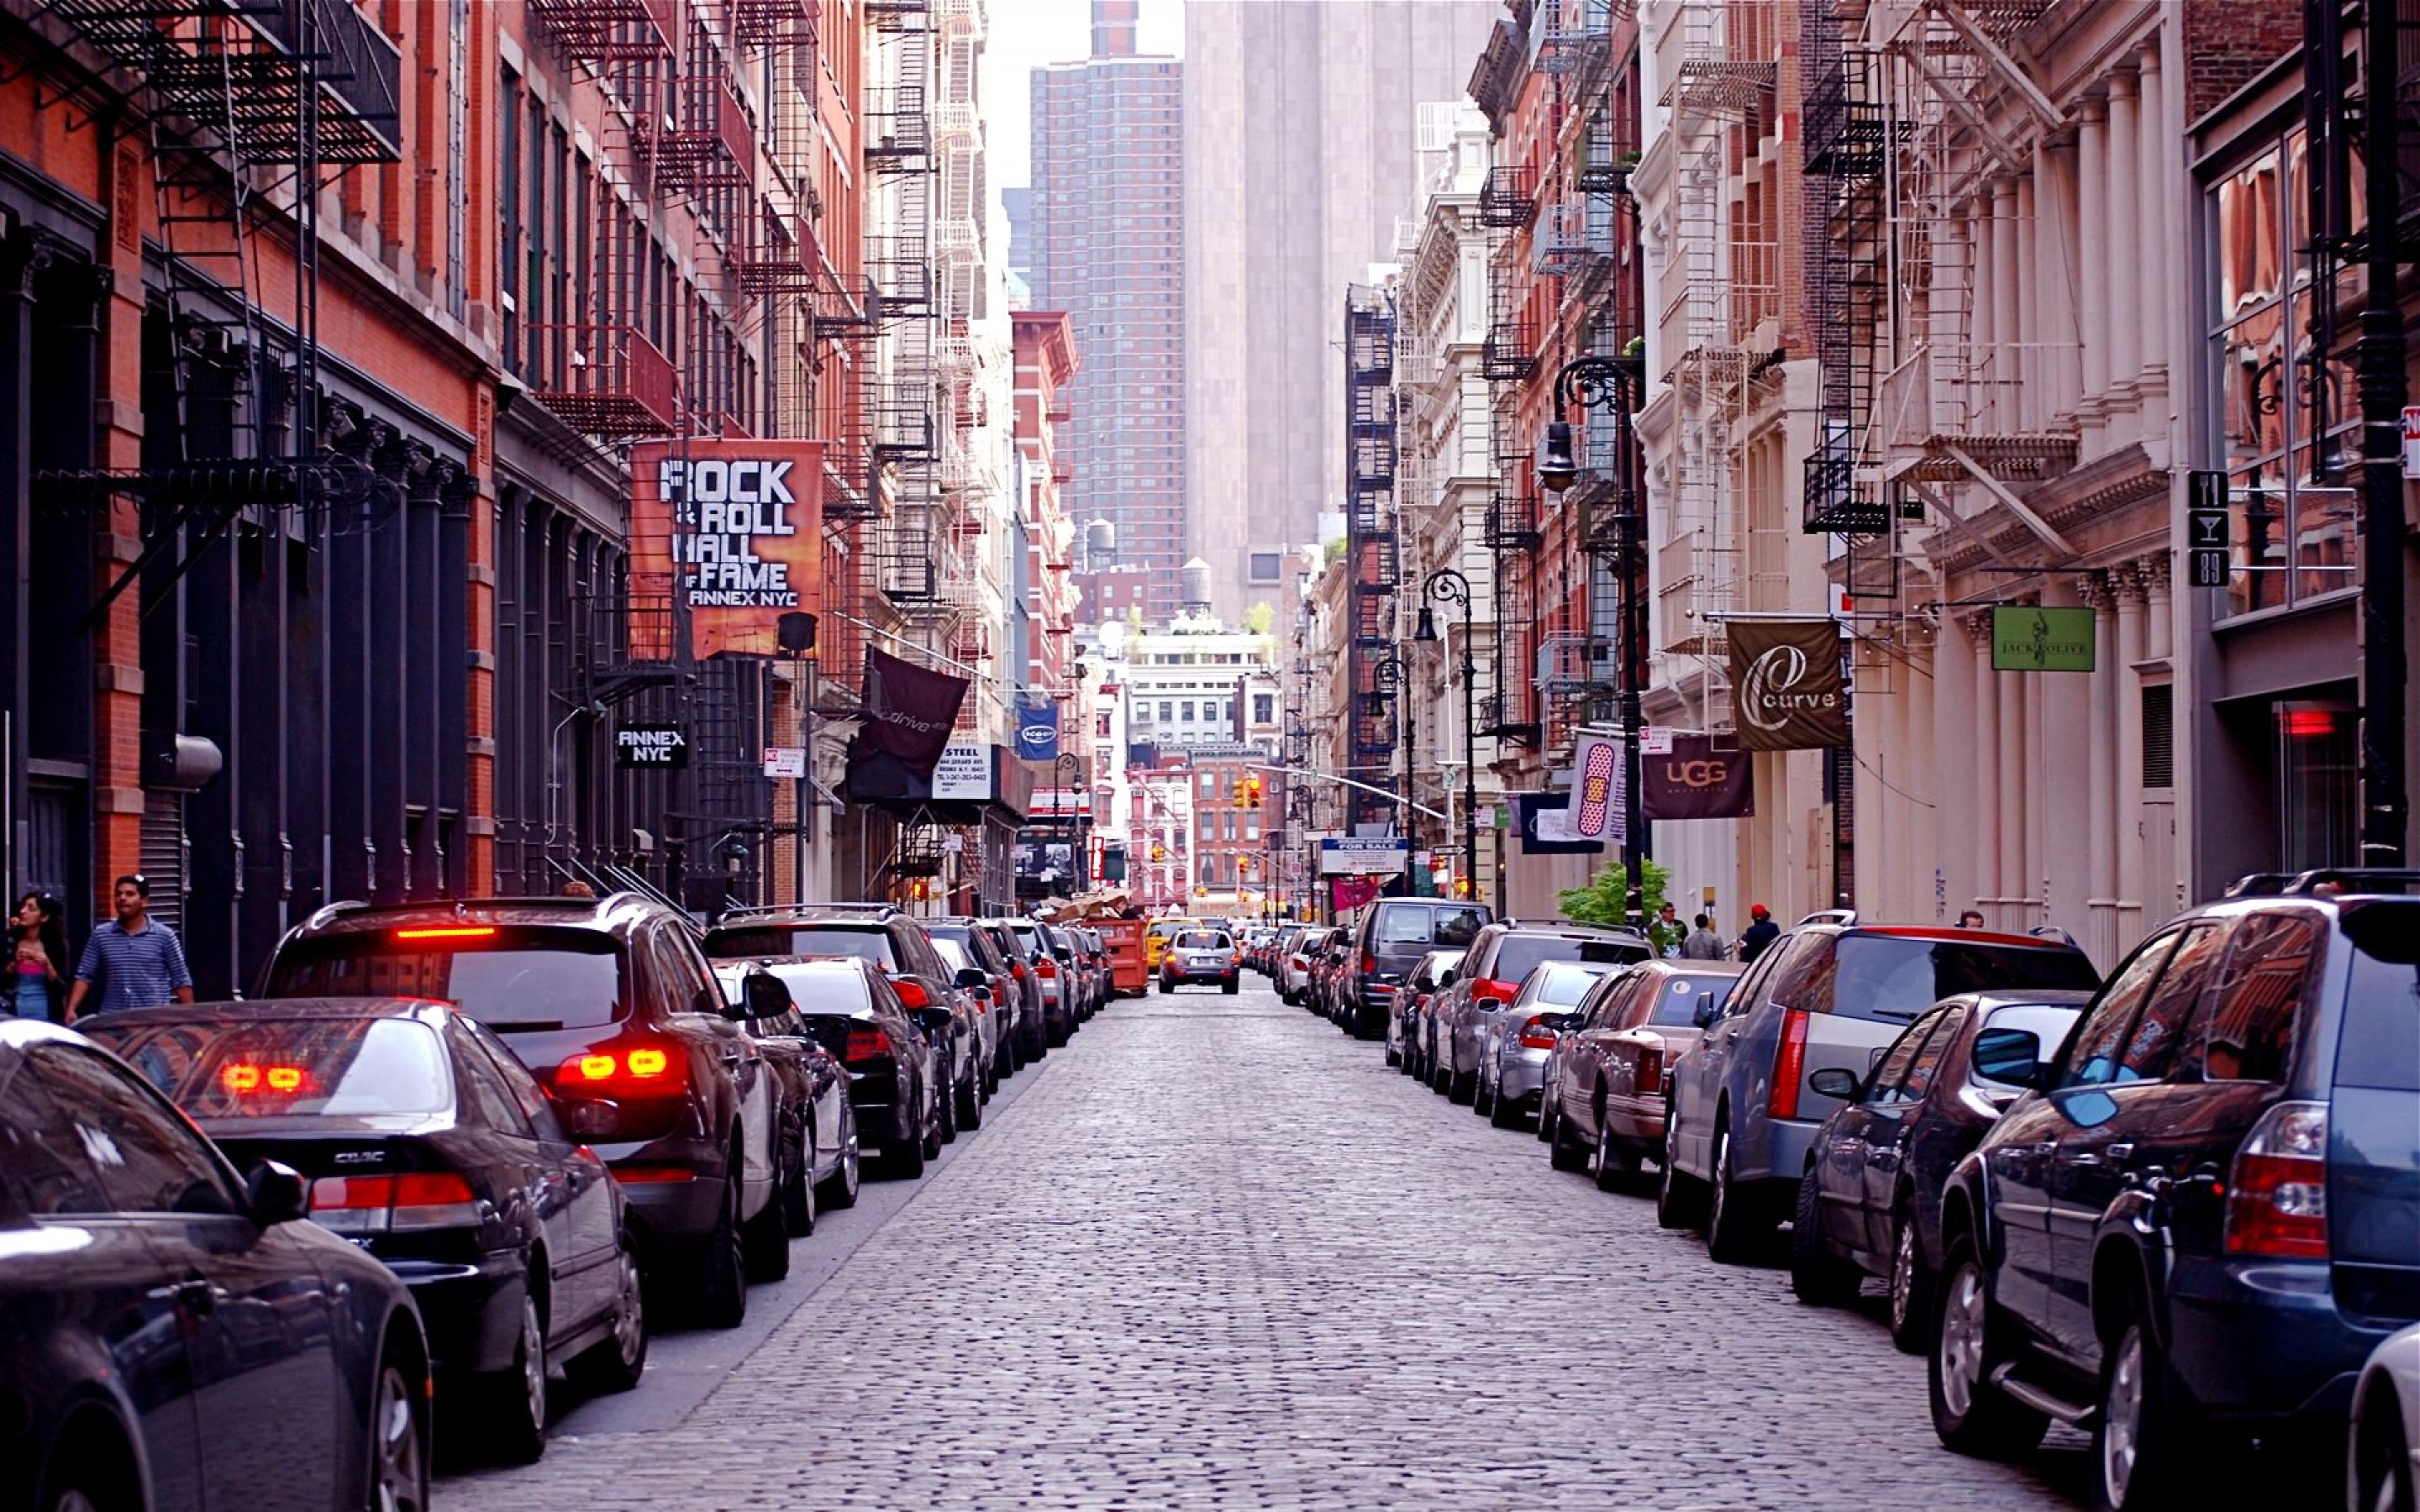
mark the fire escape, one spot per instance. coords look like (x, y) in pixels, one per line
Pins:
(1508, 207)
(902, 417)
(1372, 546)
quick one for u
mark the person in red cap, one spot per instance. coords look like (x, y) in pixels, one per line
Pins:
(1761, 931)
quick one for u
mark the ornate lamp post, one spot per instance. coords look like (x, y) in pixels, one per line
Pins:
(1447, 586)
(1617, 385)
(1394, 680)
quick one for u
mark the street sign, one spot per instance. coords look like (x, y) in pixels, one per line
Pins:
(2206, 529)
(650, 745)
(1655, 740)
(1359, 855)
(2032, 637)
(785, 761)
(2411, 441)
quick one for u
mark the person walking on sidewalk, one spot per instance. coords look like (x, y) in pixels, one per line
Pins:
(39, 956)
(1703, 944)
(1761, 933)
(130, 962)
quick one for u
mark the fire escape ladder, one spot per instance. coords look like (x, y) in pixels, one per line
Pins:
(1373, 547)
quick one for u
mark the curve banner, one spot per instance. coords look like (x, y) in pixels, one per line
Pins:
(1787, 688)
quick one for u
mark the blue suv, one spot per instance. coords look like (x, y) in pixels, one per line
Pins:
(2204, 1213)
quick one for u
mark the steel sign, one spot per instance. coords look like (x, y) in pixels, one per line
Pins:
(2207, 547)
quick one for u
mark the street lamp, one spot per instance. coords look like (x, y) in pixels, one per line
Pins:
(1447, 586)
(1069, 766)
(1617, 385)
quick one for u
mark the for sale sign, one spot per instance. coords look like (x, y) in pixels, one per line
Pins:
(729, 531)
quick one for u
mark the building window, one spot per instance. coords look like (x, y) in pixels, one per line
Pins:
(1266, 567)
(1264, 707)
(2290, 413)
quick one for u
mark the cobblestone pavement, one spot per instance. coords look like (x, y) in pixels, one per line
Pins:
(1217, 1254)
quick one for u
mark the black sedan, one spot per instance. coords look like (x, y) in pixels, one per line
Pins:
(816, 1095)
(428, 1145)
(894, 1075)
(171, 1335)
(1870, 1199)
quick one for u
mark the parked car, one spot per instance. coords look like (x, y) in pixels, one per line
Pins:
(991, 1021)
(172, 1332)
(853, 1012)
(1827, 994)
(825, 1119)
(897, 945)
(1604, 1082)
(1005, 994)
(2382, 1453)
(1428, 976)
(1327, 977)
(1393, 936)
(1094, 957)
(609, 1003)
(2203, 1214)
(428, 1144)
(1501, 954)
(1294, 972)
(1514, 1045)
(1869, 1202)
(1202, 955)
(1059, 1016)
(1282, 946)
(1023, 955)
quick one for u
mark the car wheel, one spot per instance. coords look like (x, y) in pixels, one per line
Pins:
(1483, 1095)
(1165, 986)
(1733, 1236)
(906, 1158)
(399, 1435)
(512, 1402)
(1819, 1277)
(971, 1104)
(2138, 1443)
(2381, 1456)
(1441, 1076)
(1911, 1288)
(946, 1112)
(1970, 1416)
(1461, 1087)
(1503, 1112)
(1680, 1198)
(616, 1361)
(1550, 1105)
(839, 1189)
(1561, 1153)
(722, 1280)
(1394, 1058)
(765, 1240)
(798, 1186)
(1231, 986)
(1612, 1164)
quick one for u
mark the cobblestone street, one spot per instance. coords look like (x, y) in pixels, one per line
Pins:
(1215, 1253)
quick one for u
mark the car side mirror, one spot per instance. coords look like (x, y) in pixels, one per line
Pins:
(2010, 1057)
(974, 977)
(1706, 1014)
(275, 1193)
(932, 1021)
(762, 995)
(1834, 1082)
(589, 1120)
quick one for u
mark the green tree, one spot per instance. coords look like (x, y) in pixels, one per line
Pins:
(1134, 618)
(1601, 900)
(1260, 617)
(1335, 552)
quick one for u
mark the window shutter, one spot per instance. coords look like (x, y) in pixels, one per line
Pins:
(2159, 735)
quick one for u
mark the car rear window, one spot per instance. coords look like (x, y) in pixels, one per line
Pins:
(1201, 940)
(288, 1068)
(1894, 977)
(865, 944)
(1520, 954)
(2381, 1046)
(1426, 924)
(1563, 986)
(953, 955)
(508, 977)
(822, 988)
(1678, 998)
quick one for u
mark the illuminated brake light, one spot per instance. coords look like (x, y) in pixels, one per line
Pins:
(594, 1067)
(285, 1079)
(240, 1079)
(1369, 962)
(1046, 969)
(1790, 1063)
(2277, 1192)
(647, 1062)
(454, 932)
(244, 1079)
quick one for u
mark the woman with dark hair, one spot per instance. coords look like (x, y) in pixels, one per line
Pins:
(40, 934)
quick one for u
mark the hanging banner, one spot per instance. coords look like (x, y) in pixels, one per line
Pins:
(1346, 894)
(1037, 731)
(909, 711)
(1596, 799)
(732, 530)
(1787, 691)
(2026, 638)
(1694, 781)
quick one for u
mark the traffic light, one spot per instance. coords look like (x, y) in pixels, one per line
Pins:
(1252, 792)
(1462, 887)
(1243, 793)
(1160, 853)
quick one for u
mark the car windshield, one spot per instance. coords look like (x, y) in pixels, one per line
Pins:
(335, 1068)
(865, 944)
(1897, 977)
(1561, 986)
(506, 977)
(1678, 1000)
(1424, 924)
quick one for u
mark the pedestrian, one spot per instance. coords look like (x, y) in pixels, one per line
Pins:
(577, 889)
(1762, 932)
(130, 962)
(39, 933)
(1666, 933)
(1703, 944)
(1971, 919)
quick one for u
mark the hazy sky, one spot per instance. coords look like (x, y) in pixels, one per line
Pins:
(1027, 34)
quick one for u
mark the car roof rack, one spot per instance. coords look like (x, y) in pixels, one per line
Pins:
(1828, 915)
(2256, 885)
(2055, 934)
(2349, 879)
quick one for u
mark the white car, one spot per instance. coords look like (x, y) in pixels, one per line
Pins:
(2383, 1455)
(1294, 972)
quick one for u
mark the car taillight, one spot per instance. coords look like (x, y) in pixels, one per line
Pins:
(866, 1044)
(1649, 1076)
(1016, 969)
(1369, 962)
(1501, 991)
(1790, 1063)
(394, 1204)
(1298, 962)
(1046, 969)
(1535, 1035)
(911, 993)
(624, 1070)
(2277, 1194)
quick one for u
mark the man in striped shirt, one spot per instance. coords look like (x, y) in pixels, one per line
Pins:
(130, 962)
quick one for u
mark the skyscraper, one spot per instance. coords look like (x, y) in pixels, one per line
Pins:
(1107, 219)
(1299, 118)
